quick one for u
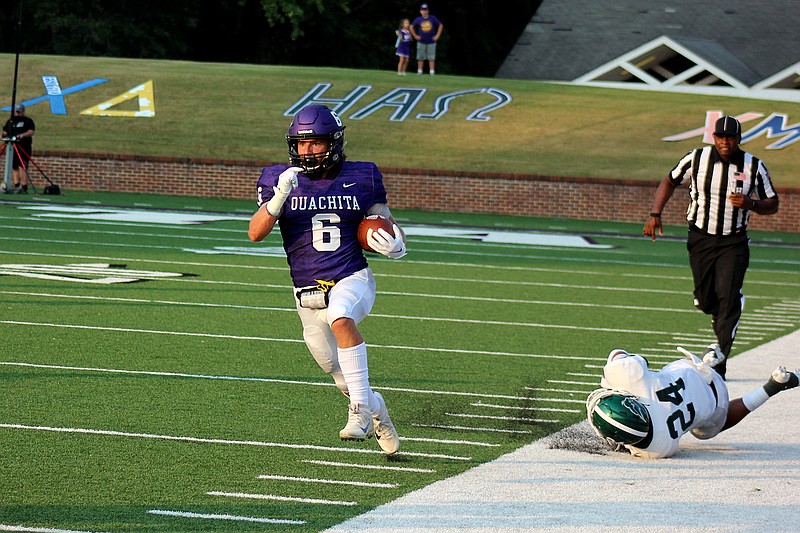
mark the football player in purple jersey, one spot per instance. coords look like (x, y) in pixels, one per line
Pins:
(319, 201)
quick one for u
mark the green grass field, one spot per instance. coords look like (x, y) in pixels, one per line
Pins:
(228, 111)
(186, 400)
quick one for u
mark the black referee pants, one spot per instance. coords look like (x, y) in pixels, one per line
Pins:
(718, 267)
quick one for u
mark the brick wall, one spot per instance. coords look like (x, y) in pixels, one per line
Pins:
(467, 192)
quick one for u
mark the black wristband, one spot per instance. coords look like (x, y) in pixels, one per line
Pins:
(655, 215)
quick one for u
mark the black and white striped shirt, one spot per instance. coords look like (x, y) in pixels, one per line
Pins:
(712, 179)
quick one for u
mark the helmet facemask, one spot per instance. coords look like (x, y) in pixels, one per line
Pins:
(319, 162)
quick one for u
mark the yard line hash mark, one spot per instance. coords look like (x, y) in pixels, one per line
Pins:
(329, 481)
(371, 467)
(279, 498)
(184, 514)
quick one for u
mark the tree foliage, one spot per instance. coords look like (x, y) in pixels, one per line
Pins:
(339, 33)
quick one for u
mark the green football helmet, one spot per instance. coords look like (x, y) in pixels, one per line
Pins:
(618, 417)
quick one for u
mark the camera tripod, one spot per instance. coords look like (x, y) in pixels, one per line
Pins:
(21, 188)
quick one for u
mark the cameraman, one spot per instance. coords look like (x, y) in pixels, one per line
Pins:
(20, 129)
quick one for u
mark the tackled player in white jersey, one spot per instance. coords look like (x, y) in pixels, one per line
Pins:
(647, 412)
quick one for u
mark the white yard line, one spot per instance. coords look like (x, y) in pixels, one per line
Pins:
(183, 438)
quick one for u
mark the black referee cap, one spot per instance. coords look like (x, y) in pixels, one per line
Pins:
(727, 126)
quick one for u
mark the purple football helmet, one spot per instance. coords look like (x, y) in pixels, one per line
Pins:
(316, 122)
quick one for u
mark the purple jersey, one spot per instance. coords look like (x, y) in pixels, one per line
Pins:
(320, 219)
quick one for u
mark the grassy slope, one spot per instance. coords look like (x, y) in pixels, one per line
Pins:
(236, 112)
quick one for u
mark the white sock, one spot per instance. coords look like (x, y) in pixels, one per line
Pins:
(353, 362)
(755, 399)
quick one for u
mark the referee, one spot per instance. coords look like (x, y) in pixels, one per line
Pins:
(726, 184)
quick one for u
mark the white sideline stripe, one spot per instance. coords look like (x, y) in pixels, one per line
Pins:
(509, 418)
(521, 408)
(6, 527)
(278, 498)
(185, 514)
(448, 441)
(330, 481)
(371, 467)
(470, 428)
(222, 441)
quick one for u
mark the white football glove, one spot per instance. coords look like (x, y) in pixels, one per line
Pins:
(391, 246)
(286, 182)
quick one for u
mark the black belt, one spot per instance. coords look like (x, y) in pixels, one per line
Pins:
(738, 232)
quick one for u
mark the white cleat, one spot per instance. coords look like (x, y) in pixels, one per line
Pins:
(359, 423)
(713, 355)
(385, 433)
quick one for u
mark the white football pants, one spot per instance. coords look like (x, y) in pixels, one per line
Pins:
(352, 297)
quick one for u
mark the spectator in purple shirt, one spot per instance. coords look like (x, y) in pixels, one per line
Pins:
(426, 29)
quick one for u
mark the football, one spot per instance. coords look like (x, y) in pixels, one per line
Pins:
(373, 222)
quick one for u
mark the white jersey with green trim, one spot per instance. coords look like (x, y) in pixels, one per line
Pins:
(679, 398)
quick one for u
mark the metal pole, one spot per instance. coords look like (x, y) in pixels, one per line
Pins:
(9, 170)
